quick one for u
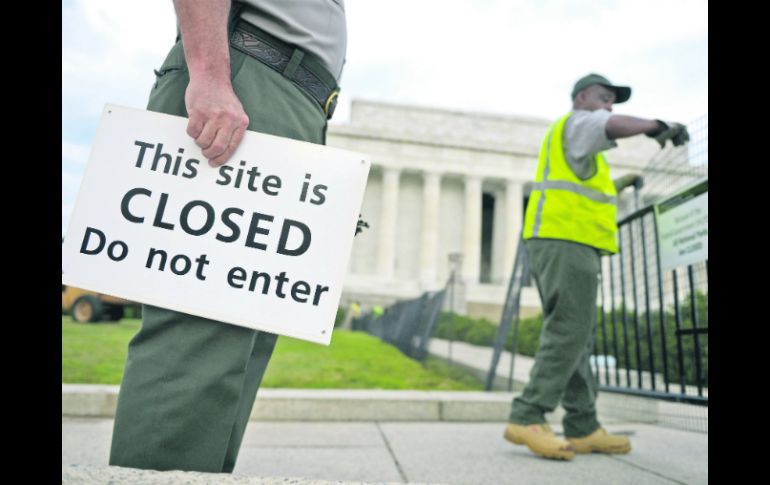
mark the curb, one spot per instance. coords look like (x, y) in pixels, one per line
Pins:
(89, 400)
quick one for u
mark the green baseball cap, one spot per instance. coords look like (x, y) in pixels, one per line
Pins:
(622, 93)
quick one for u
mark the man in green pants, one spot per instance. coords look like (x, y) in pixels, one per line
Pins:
(569, 223)
(270, 66)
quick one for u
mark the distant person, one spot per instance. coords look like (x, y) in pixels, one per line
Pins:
(377, 311)
(270, 66)
(570, 222)
(354, 312)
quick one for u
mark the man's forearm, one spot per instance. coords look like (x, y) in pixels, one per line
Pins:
(217, 120)
(203, 24)
(622, 126)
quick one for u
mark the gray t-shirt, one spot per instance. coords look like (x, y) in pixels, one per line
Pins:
(584, 137)
(317, 27)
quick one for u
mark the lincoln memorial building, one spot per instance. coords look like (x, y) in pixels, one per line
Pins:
(446, 182)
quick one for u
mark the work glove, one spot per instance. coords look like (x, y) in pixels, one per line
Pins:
(676, 132)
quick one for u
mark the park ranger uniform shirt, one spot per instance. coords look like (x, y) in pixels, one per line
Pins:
(317, 27)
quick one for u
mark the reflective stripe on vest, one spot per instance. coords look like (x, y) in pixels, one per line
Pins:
(561, 206)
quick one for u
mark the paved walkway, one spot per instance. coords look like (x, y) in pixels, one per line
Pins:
(413, 452)
(478, 359)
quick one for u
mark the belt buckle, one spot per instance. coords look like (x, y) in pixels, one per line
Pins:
(331, 104)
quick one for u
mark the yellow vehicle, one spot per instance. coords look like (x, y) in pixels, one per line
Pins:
(89, 306)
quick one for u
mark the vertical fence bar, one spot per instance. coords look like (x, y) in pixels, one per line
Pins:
(662, 307)
(604, 334)
(678, 321)
(696, 336)
(636, 307)
(650, 349)
(614, 324)
(623, 315)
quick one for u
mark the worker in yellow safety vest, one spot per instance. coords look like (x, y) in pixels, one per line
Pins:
(570, 222)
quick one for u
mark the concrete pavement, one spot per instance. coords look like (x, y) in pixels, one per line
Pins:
(411, 452)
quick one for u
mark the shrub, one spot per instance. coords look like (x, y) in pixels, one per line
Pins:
(483, 332)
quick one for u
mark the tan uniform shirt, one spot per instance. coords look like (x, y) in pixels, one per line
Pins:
(584, 137)
(317, 26)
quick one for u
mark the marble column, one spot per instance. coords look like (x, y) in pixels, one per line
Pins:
(513, 222)
(472, 230)
(386, 249)
(429, 233)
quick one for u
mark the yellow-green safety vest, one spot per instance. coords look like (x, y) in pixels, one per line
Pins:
(561, 206)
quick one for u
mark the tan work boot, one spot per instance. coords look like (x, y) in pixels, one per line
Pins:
(601, 442)
(540, 440)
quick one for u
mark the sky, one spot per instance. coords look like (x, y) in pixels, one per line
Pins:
(508, 57)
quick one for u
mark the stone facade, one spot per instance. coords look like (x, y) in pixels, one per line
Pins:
(446, 182)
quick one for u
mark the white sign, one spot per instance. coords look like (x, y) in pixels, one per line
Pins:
(262, 242)
(683, 227)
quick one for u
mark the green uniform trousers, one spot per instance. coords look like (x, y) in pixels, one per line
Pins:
(189, 383)
(566, 275)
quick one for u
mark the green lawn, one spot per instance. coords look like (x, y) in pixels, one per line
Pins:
(96, 353)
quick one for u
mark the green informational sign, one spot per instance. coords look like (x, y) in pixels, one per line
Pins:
(683, 226)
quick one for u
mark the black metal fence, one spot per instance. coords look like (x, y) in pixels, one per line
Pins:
(407, 324)
(652, 326)
(652, 329)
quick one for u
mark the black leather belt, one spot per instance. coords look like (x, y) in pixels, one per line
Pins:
(301, 68)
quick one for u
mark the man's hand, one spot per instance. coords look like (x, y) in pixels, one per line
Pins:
(676, 132)
(217, 120)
